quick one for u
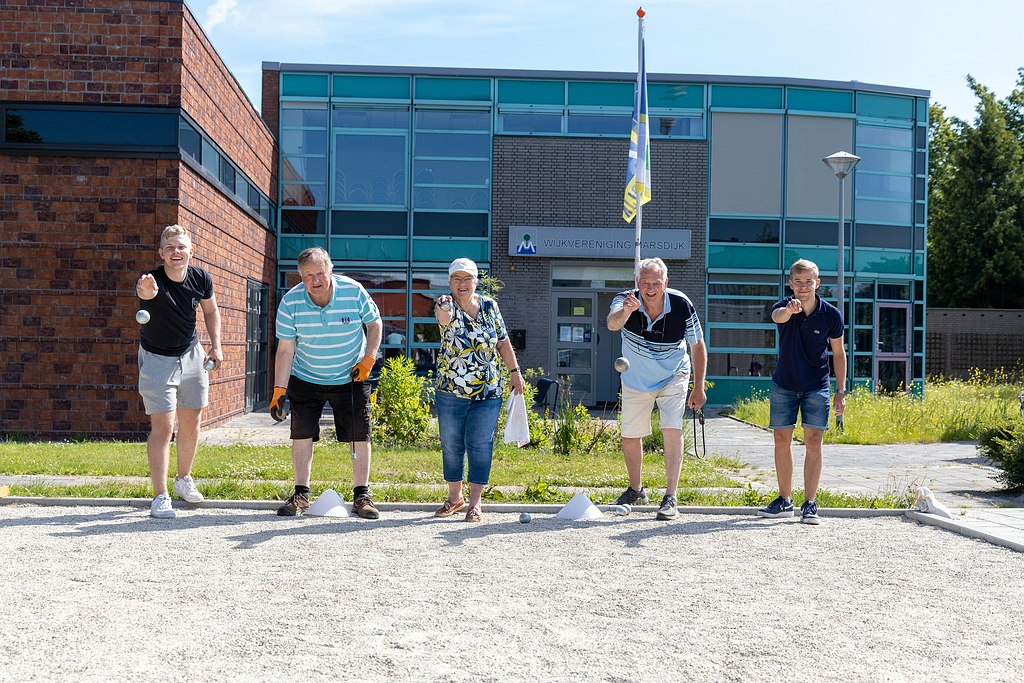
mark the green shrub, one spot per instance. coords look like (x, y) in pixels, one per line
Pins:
(1003, 444)
(401, 409)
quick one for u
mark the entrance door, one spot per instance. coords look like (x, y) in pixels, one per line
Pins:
(575, 345)
(892, 353)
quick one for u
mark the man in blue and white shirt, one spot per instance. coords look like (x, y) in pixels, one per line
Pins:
(324, 356)
(656, 328)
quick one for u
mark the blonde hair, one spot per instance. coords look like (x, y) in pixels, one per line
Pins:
(802, 266)
(174, 231)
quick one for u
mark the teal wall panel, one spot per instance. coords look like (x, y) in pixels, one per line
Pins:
(675, 95)
(474, 89)
(837, 101)
(371, 87)
(746, 97)
(304, 85)
(531, 92)
(371, 249)
(748, 256)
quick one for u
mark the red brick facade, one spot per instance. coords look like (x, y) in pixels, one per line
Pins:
(77, 231)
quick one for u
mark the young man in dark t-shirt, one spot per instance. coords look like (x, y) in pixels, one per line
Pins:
(808, 327)
(172, 380)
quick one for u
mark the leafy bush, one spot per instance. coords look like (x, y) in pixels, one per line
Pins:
(1004, 445)
(401, 408)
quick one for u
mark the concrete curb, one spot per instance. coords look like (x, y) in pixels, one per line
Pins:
(964, 529)
(848, 513)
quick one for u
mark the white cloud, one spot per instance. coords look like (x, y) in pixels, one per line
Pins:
(218, 12)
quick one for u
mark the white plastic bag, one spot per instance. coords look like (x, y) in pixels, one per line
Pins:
(516, 426)
(926, 502)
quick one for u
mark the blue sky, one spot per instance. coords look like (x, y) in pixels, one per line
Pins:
(926, 44)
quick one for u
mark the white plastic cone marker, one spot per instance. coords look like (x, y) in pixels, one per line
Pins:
(579, 507)
(329, 504)
(926, 502)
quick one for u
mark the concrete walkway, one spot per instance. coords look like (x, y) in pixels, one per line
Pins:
(964, 482)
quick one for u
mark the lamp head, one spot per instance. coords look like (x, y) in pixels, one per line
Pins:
(841, 163)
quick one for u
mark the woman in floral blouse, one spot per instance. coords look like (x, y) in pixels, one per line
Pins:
(468, 396)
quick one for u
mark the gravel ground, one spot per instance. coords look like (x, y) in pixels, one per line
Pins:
(98, 593)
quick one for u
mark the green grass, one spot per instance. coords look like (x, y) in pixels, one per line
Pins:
(954, 410)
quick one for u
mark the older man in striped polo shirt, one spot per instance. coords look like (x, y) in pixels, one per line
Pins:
(328, 331)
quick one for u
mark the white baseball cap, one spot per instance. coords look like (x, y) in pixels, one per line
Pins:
(462, 264)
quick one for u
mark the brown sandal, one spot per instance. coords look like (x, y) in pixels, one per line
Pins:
(473, 514)
(449, 508)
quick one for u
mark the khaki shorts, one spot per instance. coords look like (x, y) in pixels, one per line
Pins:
(170, 382)
(637, 407)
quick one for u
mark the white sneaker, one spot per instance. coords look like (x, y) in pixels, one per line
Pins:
(161, 507)
(186, 488)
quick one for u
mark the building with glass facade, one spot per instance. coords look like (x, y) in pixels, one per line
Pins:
(398, 171)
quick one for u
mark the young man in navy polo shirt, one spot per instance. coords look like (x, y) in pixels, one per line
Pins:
(808, 326)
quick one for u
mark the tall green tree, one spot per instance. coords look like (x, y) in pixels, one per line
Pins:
(976, 226)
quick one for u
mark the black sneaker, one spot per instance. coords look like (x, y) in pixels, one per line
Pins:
(631, 497)
(298, 503)
(667, 510)
(809, 513)
(780, 507)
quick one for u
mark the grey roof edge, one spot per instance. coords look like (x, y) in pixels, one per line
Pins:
(713, 79)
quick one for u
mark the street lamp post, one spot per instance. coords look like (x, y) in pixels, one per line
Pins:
(842, 164)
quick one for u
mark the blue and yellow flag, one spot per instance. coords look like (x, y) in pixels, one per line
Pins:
(638, 173)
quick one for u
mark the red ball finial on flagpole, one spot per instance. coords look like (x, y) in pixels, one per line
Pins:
(640, 12)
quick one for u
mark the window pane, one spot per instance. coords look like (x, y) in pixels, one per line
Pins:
(574, 308)
(189, 139)
(452, 145)
(742, 364)
(449, 225)
(863, 339)
(369, 223)
(741, 230)
(574, 358)
(452, 198)
(451, 172)
(211, 158)
(369, 169)
(887, 160)
(512, 122)
(682, 126)
(431, 281)
(748, 338)
(304, 168)
(677, 95)
(885, 212)
(371, 118)
(440, 119)
(862, 366)
(725, 311)
(426, 332)
(810, 232)
(884, 186)
(304, 141)
(730, 289)
(599, 125)
(227, 173)
(296, 194)
(865, 312)
(303, 222)
(886, 137)
(893, 236)
(894, 292)
(389, 303)
(308, 118)
(74, 127)
(391, 280)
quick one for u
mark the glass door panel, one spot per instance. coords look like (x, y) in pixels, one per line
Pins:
(892, 347)
(575, 345)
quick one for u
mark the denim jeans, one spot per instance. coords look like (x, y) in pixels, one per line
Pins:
(783, 406)
(467, 432)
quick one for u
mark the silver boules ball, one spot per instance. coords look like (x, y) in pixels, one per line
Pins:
(525, 518)
(142, 316)
(209, 364)
(621, 364)
(622, 509)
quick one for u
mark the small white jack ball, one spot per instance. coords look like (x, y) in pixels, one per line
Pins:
(621, 364)
(209, 364)
(525, 518)
(142, 316)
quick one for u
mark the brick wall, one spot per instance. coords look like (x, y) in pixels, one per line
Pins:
(98, 52)
(78, 231)
(579, 182)
(960, 339)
